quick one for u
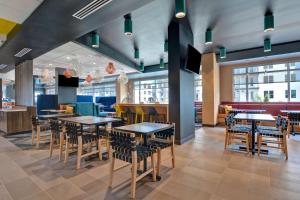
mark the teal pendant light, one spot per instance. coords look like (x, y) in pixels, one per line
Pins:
(180, 7)
(142, 66)
(223, 52)
(161, 63)
(95, 40)
(208, 36)
(136, 53)
(267, 45)
(128, 25)
(166, 46)
(269, 22)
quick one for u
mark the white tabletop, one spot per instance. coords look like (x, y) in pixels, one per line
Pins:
(255, 117)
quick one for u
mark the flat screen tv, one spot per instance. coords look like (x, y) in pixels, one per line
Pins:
(68, 82)
(193, 60)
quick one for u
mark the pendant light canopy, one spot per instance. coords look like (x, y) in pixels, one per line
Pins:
(136, 53)
(142, 66)
(208, 36)
(95, 40)
(128, 25)
(161, 63)
(223, 52)
(180, 7)
(166, 46)
(267, 45)
(269, 22)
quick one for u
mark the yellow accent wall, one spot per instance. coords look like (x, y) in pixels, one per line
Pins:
(6, 26)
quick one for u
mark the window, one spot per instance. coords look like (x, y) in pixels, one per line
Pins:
(95, 90)
(151, 91)
(198, 87)
(275, 83)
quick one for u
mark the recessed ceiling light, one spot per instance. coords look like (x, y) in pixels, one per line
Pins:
(94, 63)
(68, 58)
(50, 64)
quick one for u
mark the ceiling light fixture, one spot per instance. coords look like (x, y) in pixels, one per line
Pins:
(128, 25)
(267, 45)
(180, 6)
(136, 53)
(208, 36)
(142, 66)
(161, 63)
(22, 52)
(269, 22)
(166, 46)
(223, 52)
(95, 40)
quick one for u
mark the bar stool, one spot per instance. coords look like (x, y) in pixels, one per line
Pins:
(139, 114)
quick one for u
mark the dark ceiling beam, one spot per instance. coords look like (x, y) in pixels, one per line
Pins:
(106, 50)
(277, 49)
(52, 25)
(155, 68)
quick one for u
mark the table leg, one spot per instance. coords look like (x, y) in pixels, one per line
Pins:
(145, 159)
(253, 137)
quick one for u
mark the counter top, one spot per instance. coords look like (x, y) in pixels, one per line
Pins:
(14, 109)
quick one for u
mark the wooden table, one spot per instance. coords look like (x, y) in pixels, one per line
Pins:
(54, 116)
(90, 120)
(250, 111)
(145, 129)
(254, 118)
(52, 111)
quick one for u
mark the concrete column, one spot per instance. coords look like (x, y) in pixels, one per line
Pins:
(210, 90)
(121, 92)
(24, 84)
(181, 82)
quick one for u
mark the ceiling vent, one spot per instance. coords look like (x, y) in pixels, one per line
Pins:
(23, 52)
(90, 8)
(2, 66)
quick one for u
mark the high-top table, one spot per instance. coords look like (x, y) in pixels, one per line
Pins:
(254, 118)
(145, 129)
(54, 116)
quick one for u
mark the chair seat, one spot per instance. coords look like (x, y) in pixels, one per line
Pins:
(142, 153)
(239, 129)
(159, 143)
(272, 128)
(270, 133)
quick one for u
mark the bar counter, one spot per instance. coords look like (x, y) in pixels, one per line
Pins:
(16, 119)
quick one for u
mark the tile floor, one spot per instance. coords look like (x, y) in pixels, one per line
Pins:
(203, 171)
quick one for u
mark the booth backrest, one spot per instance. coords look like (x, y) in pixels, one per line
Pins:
(107, 102)
(46, 102)
(83, 98)
(270, 107)
(86, 109)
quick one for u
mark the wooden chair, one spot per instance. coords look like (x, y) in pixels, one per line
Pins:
(293, 120)
(237, 133)
(162, 140)
(125, 148)
(38, 127)
(272, 128)
(58, 136)
(275, 139)
(75, 137)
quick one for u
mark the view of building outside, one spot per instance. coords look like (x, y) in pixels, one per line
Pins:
(98, 90)
(198, 87)
(270, 83)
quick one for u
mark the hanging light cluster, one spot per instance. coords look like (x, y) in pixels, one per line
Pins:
(128, 25)
(180, 8)
(123, 79)
(268, 27)
(95, 39)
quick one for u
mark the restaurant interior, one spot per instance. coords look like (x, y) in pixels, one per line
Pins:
(149, 99)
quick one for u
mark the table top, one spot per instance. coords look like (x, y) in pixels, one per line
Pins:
(90, 120)
(52, 116)
(145, 128)
(248, 110)
(290, 111)
(53, 110)
(255, 117)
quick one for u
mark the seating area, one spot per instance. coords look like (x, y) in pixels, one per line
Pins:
(149, 100)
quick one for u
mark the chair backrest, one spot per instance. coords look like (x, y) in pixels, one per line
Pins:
(35, 121)
(165, 134)
(278, 121)
(118, 123)
(56, 127)
(122, 142)
(284, 124)
(229, 120)
(294, 117)
(72, 131)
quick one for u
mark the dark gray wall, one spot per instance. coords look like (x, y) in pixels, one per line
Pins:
(181, 82)
(65, 94)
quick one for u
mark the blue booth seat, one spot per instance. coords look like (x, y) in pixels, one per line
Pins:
(107, 102)
(86, 109)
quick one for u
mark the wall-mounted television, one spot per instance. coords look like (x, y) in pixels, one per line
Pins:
(193, 60)
(68, 82)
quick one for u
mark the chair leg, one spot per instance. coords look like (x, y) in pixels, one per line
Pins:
(158, 161)
(32, 135)
(61, 141)
(173, 155)
(67, 151)
(247, 143)
(285, 148)
(100, 149)
(153, 168)
(111, 171)
(51, 145)
(79, 152)
(259, 140)
(136, 118)
(133, 174)
(226, 140)
(38, 136)
(108, 148)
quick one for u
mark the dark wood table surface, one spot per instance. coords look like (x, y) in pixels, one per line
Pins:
(254, 118)
(248, 110)
(145, 128)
